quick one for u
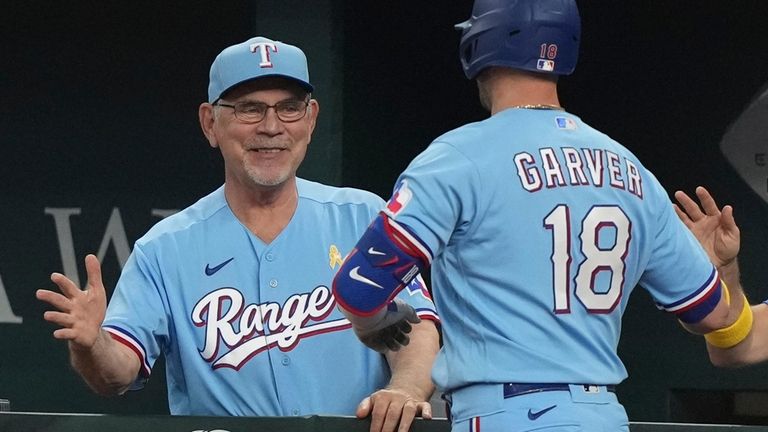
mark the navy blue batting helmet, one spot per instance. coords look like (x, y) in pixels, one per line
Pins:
(534, 35)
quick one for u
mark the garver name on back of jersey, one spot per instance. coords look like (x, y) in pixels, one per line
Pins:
(567, 166)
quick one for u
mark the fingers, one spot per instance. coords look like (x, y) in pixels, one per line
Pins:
(399, 335)
(399, 340)
(691, 208)
(410, 411)
(393, 337)
(707, 202)
(403, 326)
(65, 334)
(379, 413)
(93, 268)
(390, 338)
(393, 415)
(374, 341)
(60, 318)
(405, 417)
(727, 220)
(683, 216)
(363, 408)
(426, 410)
(393, 410)
(407, 311)
(54, 299)
(412, 317)
(67, 287)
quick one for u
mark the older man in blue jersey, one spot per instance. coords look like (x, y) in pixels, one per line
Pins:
(234, 290)
(537, 227)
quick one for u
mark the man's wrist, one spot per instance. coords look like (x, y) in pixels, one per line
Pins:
(729, 271)
(729, 265)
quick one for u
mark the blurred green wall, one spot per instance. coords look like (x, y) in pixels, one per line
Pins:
(99, 117)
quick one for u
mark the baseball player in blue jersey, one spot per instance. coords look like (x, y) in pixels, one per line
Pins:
(537, 228)
(718, 233)
(235, 289)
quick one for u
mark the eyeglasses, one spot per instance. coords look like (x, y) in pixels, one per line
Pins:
(254, 112)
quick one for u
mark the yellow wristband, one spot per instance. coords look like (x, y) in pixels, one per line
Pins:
(734, 333)
(726, 292)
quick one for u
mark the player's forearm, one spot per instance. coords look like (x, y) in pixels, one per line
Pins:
(411, 365)
(737, 356)
(108, 367)
(725, 313)
(753, 349)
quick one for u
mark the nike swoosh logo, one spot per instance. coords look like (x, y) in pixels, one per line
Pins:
(372, 251)
(209, 271)
(360, 278)
(535, 415)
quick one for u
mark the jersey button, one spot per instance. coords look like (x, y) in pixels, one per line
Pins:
(285, 361)
(273, 283)
(295, 412)
(270, 257)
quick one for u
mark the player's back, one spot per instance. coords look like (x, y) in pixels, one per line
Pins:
(555, 223)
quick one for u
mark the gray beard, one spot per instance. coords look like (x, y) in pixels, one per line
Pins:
(261, 180)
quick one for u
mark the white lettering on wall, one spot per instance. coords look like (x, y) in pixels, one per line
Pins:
(66, 243)
(114, 234)
(6, 313)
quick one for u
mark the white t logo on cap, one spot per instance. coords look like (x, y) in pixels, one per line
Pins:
(263, 50)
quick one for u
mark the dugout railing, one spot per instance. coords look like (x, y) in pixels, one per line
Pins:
(59, 422)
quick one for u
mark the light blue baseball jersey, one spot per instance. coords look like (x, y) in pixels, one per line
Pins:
(249, 328)
(540, 227)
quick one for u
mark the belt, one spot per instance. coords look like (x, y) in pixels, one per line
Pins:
(518, 389)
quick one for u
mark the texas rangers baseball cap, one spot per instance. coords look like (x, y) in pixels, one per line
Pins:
(255, 58)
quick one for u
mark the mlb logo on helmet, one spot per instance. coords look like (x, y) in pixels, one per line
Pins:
(546, 65)
(400, 198)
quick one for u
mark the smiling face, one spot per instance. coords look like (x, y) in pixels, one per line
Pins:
(264, 154)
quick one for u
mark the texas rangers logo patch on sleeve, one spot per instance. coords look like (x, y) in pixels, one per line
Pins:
(400, 198)
(418, 286)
